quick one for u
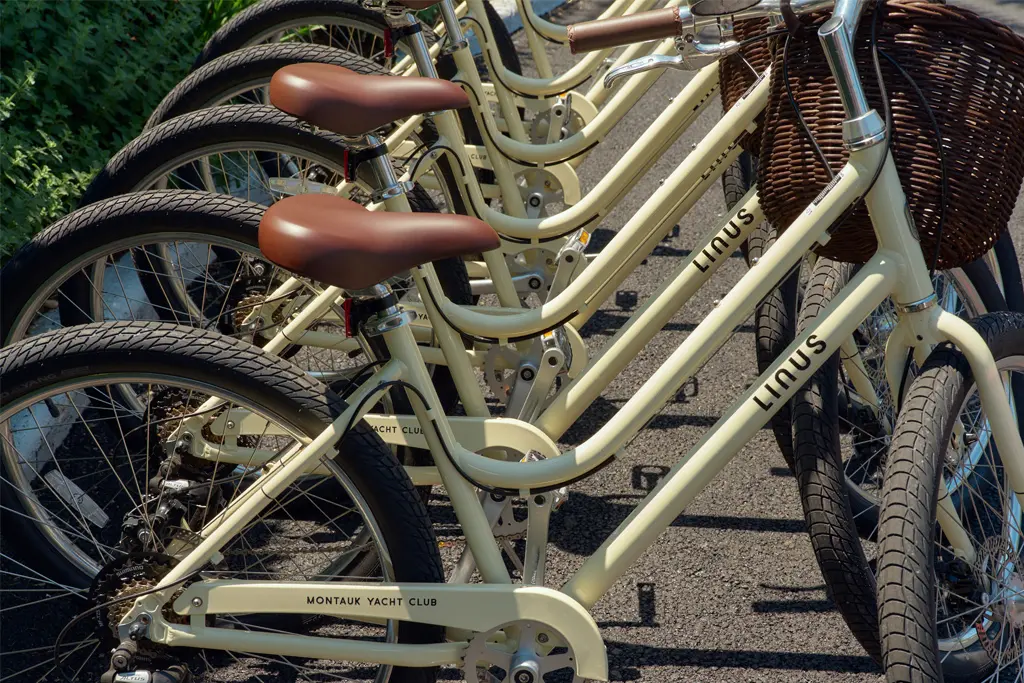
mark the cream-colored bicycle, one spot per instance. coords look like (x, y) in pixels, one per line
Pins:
(208, 593)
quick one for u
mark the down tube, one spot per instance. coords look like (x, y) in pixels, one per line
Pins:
(771, 391)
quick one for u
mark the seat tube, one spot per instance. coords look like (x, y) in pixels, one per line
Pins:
(535, 40)
(402, 345)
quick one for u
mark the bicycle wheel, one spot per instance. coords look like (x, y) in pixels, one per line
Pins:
(106, 262)
(252, 151)
(944, 617)
(343, 25)
(840, 439)
(107, 490)
(335, 23)
(242, 76)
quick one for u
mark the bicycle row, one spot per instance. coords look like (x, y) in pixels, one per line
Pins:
(345, 284)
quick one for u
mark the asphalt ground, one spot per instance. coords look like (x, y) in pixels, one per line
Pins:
(730, 592)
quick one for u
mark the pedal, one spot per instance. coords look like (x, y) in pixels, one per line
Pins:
(570, 262)
(561, 113)
(536, 376)
(559, 495)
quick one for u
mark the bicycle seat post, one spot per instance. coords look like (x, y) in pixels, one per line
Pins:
(456, 38)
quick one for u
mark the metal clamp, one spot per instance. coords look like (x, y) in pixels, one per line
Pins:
(919, 305)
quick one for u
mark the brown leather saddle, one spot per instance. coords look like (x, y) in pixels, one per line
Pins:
(338, 242)
(347, 103)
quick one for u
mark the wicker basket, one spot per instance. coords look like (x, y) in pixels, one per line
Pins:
(971, 71)
(735, 76)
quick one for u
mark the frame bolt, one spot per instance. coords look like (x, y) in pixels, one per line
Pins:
(197, 602)
(230, 425)
(542, 638)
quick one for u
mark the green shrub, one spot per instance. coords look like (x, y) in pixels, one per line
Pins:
(77, 81)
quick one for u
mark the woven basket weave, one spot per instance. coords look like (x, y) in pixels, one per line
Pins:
(735, 76)
(971, 71)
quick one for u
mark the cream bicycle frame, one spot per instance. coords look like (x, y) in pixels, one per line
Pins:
(558, 157)
(701, 168)
(897, 269)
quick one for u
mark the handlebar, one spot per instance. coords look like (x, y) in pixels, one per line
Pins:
(588, 36)
(862, 127)
(678, 22)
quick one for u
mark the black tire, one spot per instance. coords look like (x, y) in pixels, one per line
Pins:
(67, 244)
(250, 67)
(775, 317)
(185, 137)
(503, 40)
(170, 145)
(1009, 267)
(837, 515)
(257, 23)
(906, 580)
(235, 366)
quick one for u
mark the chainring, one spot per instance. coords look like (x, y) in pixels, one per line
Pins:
(538, 649)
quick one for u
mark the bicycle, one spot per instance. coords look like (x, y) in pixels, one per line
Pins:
(898, 267)
(590, 384)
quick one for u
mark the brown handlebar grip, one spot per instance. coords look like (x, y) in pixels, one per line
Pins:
(635, 28)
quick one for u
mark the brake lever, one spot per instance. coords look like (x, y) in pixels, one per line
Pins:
(649, 63)
(695, 56)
